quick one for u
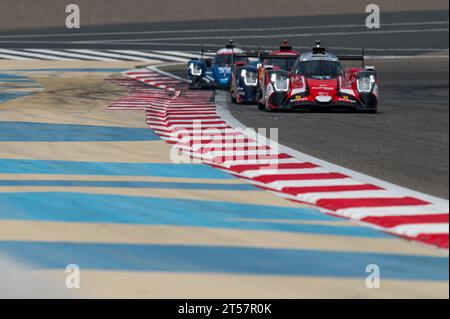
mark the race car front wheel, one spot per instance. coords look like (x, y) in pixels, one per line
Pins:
(261, 106)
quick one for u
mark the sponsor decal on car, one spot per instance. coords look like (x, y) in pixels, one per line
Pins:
(269, 90)
(346, 99)
(298, 98)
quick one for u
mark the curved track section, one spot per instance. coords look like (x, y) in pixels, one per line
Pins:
(86, 184)
(189, 121)
(406, 143)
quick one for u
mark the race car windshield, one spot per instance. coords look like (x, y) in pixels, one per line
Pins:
(319, 68)
(224, 59)
(283, 64)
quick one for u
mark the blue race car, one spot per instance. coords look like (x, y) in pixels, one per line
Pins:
(245, 80)
(214, 72)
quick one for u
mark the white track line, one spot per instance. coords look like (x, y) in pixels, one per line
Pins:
(290, 35)
(314, 197)
(417, 229)
(14, 57)
(124, 57)
(33, 55)
(358, 213)
(215, 30)
(179, 54)
(151, 55)
(279, 185)
(260, 172)
(73, 55)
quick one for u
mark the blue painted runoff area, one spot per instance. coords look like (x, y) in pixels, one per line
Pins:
(234, 260)
(127, 184)
(121, 209)
(9, 82)
(50, 132)
(19, 166)
(7, 96)
(14, 78)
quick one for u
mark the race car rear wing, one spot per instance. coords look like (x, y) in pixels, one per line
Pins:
(247, 55)
(262, 56)
(230, 45)
(205, 50)
(318, 49)
(361, 58)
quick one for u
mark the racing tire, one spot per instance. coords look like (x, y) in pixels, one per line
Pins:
(261, 106)
(233, 99)
(372, 111)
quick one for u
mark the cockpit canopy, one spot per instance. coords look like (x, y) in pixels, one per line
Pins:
(283, 64)
(228, 59)
(318, 69)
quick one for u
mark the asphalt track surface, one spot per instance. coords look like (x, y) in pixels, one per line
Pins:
(401, 33)
(407, 143)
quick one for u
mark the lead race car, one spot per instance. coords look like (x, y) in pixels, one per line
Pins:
(213, 72)
(244, 78)
(319, 81)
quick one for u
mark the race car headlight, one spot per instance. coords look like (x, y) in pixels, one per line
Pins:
(280, 82)
(195, 69)
(365, 83)
(250, 78)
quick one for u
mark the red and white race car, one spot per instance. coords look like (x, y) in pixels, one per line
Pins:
(318, 80)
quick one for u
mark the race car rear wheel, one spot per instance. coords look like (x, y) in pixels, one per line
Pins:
(268, 109)
(374, 111)
(233, 97)
(261, 106)
(370, 101)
